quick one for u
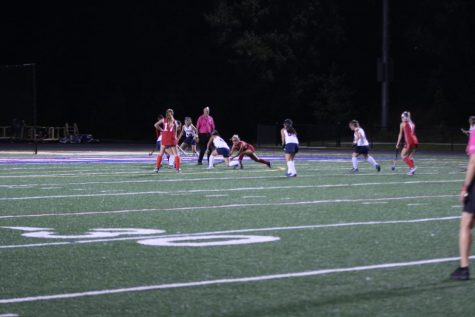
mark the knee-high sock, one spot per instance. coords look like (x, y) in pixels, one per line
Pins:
(292, 166)
(211, 161)
(409, 162)
(354, 160)
(177, 162)
(371, 160)
(159, 161)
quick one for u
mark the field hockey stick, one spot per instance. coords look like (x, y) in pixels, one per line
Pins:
(150, 154)
(393, 167)
(181, 150)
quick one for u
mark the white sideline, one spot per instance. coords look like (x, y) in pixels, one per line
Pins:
(331, 225)
(281, 203)
(225, 281)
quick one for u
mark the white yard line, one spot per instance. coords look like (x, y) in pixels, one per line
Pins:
(248, 279)
(312, 202)
(304, 227)
(191, 191)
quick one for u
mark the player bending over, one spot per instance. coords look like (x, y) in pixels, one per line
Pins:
(243, 148)
(220, 148)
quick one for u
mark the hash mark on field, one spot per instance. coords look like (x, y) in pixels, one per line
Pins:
(253, 197)
(217, 195)
(246, 279)
(417, 204)
(374, 203)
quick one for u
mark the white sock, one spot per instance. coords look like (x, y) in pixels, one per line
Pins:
(292, 164)
(354, 160)
(171, 160)
(289, 167)
(371, 160)
(233, 163)
(211, 161)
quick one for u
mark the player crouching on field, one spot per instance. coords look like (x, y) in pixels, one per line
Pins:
(244, 148)
(220, 148)
(360, 147)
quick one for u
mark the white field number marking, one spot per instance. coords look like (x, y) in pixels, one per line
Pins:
(201, 241)
(186, 241)
(48, 233)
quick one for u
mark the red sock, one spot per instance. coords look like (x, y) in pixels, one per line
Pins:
(409, 162)
(263, 161)
(159, 161)
(177, 162)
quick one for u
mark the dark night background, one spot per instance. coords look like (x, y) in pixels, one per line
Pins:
(113, 67)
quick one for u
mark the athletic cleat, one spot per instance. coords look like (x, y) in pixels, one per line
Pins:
(210, 168)
(378, 167)
(354, 170)
(235, 167)
(178, 170)
(460, 274)
(393, 168)
(155, 170)
(412, 171)
(290, 175)
(268, 165)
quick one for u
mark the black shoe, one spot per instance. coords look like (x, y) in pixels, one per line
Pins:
(268, 165)
(460, 274)
(354, 170)
(199, 163)
(378, 168)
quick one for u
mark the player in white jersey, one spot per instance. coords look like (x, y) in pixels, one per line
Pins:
(360, 147)
(290, 143)
(220, 148)
(191, 135)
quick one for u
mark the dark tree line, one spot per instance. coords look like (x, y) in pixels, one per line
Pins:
(316, 59)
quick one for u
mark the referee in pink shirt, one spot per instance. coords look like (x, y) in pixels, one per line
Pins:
(205, 126)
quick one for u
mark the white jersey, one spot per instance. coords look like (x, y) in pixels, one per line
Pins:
(290, 138)
(361, 141)
(189, 132)
(219, 143)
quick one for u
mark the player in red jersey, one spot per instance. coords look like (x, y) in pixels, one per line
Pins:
(244, 148)
(168, 128)
(408, 129)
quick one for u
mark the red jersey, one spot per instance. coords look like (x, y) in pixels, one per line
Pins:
(410, 137)
(169, 133)
(242, 146)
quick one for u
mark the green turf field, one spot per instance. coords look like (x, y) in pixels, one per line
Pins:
(115, 239)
